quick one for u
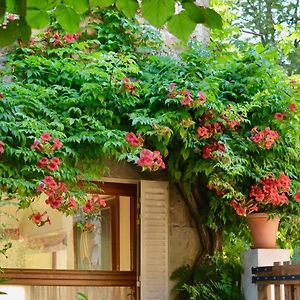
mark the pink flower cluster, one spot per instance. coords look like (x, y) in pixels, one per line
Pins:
(151, 160)
(173, 91)
(243, 208)
(232, 124)
(88, 227)
(128, 85)
(54, 190)
(56, 39)
(133, 140)
(292, 107)
(39, 219)
(207, 116)
(279, 116)
(264, 138)
(11, 17)
(69, 38)
(44, 145)
(1, 147)
(219, 190)
(58, 196)
(272, 190)
(94, 204)
(207, 151)
(51, 164)
(297, 196)
(187, 98)
(31, 42)
(207, 130)
(148, 159)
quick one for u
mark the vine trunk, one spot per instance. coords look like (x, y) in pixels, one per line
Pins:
(210, 240)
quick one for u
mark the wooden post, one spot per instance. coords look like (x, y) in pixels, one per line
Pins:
(264, 292)
(277, 286)
(287, 292)
(296, 291)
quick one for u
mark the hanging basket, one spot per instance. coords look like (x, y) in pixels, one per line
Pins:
(263, 230)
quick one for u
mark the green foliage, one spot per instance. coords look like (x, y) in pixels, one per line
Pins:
(266, 24)
(246, 82)
(76, 93)
(120, 34)
(260, 18)
(67, 109)
(219, 279)
(68, 13)
(220, 290)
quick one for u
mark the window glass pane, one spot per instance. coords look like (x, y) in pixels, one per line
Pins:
(102, 242)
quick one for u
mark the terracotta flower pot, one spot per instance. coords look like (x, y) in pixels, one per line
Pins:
(263, 230)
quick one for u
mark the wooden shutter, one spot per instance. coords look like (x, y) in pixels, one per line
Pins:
(154, 240)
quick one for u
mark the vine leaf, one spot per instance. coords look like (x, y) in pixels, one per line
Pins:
(39, 4)
(181, 26)
(157, 12)
(67, 18)
(129, 7)
(12, 6)
(37, 18)
(101, 3)
(80, 7)
(51, 4)
(9, 34)
(203, 15)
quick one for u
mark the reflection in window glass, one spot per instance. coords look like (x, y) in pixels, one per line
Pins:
(93, 243)
(101, 242)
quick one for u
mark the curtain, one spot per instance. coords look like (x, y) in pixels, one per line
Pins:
(69, 293)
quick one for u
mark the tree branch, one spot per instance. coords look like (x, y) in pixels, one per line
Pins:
(251, 32)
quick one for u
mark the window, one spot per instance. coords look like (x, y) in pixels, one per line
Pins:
(102, 254)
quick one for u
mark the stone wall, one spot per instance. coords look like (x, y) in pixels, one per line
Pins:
(183, 240)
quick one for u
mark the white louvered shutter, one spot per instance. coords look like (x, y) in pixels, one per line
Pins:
(154, 240)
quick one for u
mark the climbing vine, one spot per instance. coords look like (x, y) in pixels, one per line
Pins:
(218, 122)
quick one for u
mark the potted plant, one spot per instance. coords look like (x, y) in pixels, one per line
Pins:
(266, 201)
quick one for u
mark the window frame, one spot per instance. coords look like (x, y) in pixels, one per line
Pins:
(52, 277)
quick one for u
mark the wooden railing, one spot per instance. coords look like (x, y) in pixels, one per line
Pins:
(278, 282)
